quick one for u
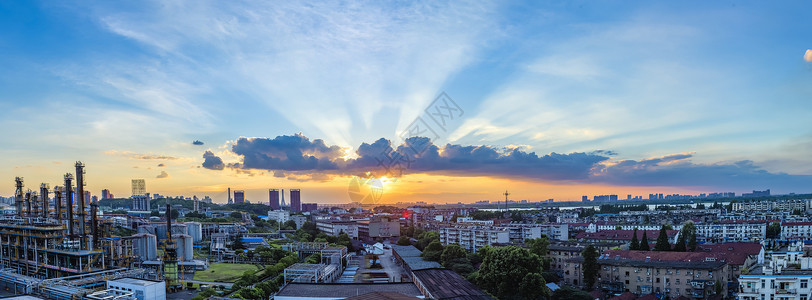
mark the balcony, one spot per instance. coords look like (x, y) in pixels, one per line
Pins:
(785, 291)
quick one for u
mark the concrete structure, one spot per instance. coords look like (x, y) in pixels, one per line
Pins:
(299, 220)
(729, 231)
(336, 227)
(788, 205)
(239, 196)
(378, 228)
(273, 199)
(473, 238)
(184, 244)
(145, 246)
(195, 230)
(796, 230)
(295, 200)
(142, 289)
(280, 216)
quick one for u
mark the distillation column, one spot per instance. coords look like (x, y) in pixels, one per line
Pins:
(69, 198)
(43, 193)
(80, 197)
(18, 195)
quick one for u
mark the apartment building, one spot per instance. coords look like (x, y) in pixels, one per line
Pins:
(700, 278)
(776, 281)
(727, 231)
(336, 227)
(472, 238)
(779, 205)
(378, 228)
(791, 230)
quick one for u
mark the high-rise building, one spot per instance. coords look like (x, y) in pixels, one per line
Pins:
(239, 196)
(229, 196)
(283, 199)
(140, 200)
(106, 194)
(87, 197)
(139, 187)
(295, 200)
(273, 199)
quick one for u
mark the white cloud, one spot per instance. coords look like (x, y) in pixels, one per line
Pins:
(359, 64)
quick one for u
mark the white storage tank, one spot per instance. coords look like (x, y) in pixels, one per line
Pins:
(184, 242)
(195, 229)
(160, 231)
(146, 229)
(146, 246)
(178, 229)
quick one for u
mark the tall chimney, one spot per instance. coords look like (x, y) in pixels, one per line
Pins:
(69, 196)
(58, 203)
(94, 224)
(28, 203)
(169, 222)
(80, 197)
(43, 193)
(18, 195)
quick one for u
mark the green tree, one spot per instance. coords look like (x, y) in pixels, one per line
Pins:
(687, 236)
(774, 230)
(590, 265)
(538, 246)
(237, 244)
(503, 271)
(154, 213)
(533, 286)
(680, 245)
(635, 245)
(433, 251)
(662, 243)
(404, 241)
(174, 214)
(570, 293)
(451, 253)
(426, 238)
(236, 215)
(644, 242)
(719, 287)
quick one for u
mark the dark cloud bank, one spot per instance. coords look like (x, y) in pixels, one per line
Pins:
(299, 154)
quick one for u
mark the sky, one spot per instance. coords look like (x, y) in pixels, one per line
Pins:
(423, 101)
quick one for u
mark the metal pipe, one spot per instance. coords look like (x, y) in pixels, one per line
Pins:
(58, 203)
(43, 193)
(19, 196)
(80, 196)
(28, 203)
(94, 224)
(169, 221)
(69, 196)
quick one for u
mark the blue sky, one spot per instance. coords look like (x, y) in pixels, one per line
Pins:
(722, 86)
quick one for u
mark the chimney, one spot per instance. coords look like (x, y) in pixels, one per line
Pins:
(43, 192)
(169, 221)
(58, 203)
(69, 196)
(80, 193)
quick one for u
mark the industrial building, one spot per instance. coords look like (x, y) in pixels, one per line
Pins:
(60, 248)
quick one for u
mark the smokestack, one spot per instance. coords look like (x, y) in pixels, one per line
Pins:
(169, 222)
(80, 193)
(28, 203)
(69, 196)
(58, 203)
(43, 193)
(18, 195)
(94, 223)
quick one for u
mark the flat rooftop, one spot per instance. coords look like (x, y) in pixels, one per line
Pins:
(346, 290)
(135, 281)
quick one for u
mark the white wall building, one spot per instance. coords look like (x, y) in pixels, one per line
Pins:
(143, 289)
(734, 231)
(473, 238)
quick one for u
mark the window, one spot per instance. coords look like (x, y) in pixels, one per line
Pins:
(678, 272)
(803, 296)
(677, 281)
(804, 283)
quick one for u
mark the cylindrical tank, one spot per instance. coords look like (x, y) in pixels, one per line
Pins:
(146, 246)
(184, 242)
(195, 229)
(178, 229)
(146, 229)
(160, 231)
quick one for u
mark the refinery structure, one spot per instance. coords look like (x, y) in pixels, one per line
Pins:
(62, 247)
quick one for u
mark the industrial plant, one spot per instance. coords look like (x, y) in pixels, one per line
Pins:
(62, 247)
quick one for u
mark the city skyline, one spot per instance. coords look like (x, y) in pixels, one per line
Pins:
(552, 101)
